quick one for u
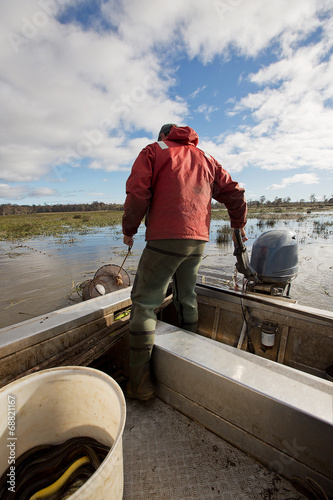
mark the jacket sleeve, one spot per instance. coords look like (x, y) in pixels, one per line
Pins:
(227, 191)
(138, 191)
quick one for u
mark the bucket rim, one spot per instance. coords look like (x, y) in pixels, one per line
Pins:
(88, 371)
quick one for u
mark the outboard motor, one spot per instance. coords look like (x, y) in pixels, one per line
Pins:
(273, 264)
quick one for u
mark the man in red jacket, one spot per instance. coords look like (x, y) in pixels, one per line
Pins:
(172, 183)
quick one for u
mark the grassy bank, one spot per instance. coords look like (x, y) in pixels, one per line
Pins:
(14, 227)
(55, 224)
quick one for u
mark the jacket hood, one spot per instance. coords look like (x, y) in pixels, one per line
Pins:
(185, 135)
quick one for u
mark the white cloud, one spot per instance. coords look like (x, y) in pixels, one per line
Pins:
(290, 118)
(197, 92)
(62, 84)
(216, 26)
(296, 179)
(206, 110)
(20, 192)
(70, 94)
(234, 151)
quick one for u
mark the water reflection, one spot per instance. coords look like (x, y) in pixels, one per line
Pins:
(40, 275)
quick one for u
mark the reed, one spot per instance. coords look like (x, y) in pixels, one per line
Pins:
(224, 235)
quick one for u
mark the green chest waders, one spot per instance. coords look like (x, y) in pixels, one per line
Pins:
(161, 261)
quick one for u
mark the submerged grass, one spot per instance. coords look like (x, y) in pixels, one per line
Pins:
(55, 224)
(323, 229)
(224, 235)
(268, 214)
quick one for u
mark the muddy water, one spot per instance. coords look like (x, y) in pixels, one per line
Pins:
(41, 275)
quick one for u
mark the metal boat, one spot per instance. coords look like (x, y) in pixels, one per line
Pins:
(256, 373)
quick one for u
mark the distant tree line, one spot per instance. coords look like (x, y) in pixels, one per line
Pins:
(285, 202)
(95, 206)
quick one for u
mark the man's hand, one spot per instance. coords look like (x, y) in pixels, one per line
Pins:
(128, 240)
(244, 237)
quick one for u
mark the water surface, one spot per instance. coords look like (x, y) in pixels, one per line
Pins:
(40, 275)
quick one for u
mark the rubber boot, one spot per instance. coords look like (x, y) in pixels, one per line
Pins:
(190, 327)
(140, 385)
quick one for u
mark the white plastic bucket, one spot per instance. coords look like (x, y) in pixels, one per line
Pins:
(51, 406)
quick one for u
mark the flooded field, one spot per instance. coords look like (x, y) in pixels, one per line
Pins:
(42, 274)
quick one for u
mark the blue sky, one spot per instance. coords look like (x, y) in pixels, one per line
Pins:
(85, 85)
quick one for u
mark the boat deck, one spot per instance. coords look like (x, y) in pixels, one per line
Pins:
(169, 456)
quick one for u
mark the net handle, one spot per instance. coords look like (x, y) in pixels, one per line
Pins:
(128, 252)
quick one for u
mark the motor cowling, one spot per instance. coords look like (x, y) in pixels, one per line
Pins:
(274, 256)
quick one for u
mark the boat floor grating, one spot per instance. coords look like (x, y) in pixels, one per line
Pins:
(168, 456)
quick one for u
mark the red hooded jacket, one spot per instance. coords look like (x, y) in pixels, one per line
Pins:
(172, 182)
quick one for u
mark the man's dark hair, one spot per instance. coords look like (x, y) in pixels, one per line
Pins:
(165, 129)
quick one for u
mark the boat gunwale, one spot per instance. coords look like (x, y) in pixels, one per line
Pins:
(44, 327)
(249, 299)
(47, 326)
